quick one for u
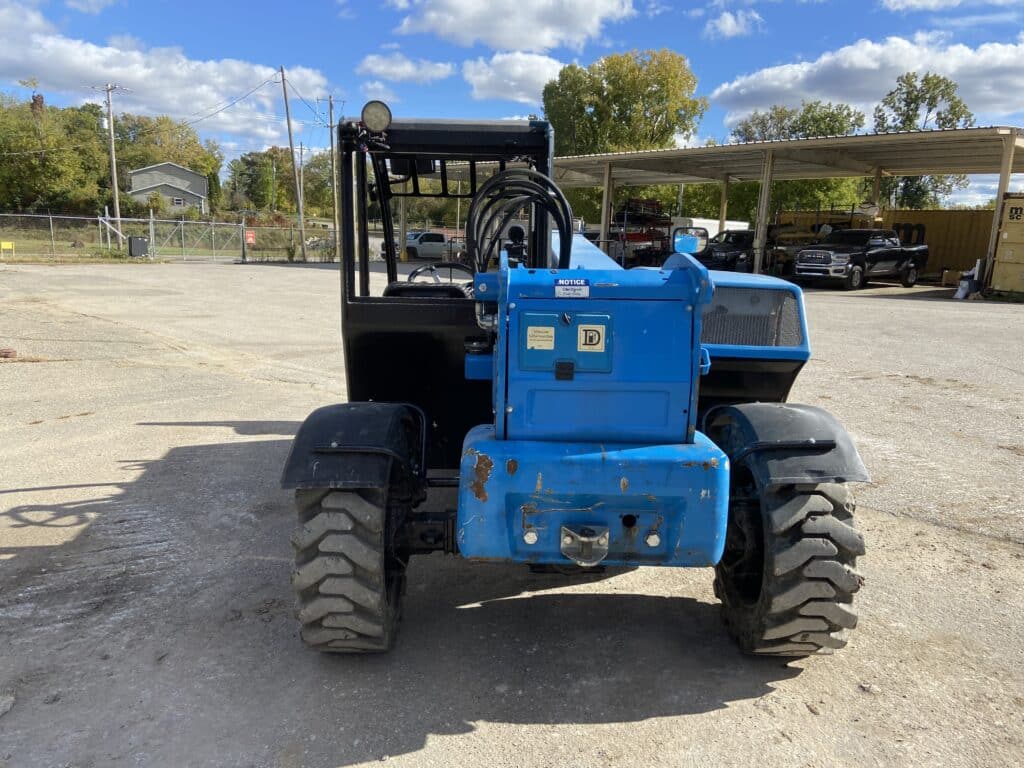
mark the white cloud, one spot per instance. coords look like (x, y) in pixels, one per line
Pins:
(729, 24)
(375, 89)
(511, 76)
(863, 72)
(126, 43)
(345, 11)
(937, 5)
(398, 67)
(519, 25)
(161, 80)
(88, 6)
(1000, 18)
(656, 8)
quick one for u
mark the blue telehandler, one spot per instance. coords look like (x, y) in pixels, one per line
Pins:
(536, 403)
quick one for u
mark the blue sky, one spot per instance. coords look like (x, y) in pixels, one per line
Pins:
(479, 59)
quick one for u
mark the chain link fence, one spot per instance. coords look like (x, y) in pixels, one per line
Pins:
(33, 237)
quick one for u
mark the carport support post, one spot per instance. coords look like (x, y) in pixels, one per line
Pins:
(764, 200)
(876, 188)
(607, 191)
(1009, 143)
(152, 235)
(723, 204)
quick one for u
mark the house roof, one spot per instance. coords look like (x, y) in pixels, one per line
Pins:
(166, 162)
(151, 187)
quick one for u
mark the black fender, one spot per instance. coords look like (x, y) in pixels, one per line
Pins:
(357, 445)
(785, 444)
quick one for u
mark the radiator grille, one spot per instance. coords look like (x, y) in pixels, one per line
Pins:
(814, 257)
(753, 317)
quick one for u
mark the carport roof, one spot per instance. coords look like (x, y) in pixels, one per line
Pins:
(909, 153)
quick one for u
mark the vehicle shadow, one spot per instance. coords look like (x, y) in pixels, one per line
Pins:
(877, 290)
(189, 565)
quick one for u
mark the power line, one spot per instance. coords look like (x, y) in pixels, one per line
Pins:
(182, 124)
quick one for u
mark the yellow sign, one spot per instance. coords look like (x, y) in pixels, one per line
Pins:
(540, 337)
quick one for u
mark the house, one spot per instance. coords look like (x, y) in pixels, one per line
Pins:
(180, 187)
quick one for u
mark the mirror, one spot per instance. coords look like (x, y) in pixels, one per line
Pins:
(689, 239)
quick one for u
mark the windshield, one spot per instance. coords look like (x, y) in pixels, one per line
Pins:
(848, 237)
(412, 235)
(731, 238)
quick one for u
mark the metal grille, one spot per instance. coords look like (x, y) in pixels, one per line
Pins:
(754, 317)
(814, 257)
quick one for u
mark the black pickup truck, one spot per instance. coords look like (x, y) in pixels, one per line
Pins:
(854, 256)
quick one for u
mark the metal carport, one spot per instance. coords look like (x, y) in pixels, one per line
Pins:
(910, 153)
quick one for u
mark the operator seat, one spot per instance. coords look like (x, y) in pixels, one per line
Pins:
(406, 289)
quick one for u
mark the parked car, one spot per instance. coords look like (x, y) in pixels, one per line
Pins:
(853, 256)
(427, 245)
(731, 250)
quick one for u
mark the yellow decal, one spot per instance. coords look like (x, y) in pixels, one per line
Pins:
(540, 337)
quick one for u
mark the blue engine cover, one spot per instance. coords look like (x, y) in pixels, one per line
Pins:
(598, 354)
(509, 487)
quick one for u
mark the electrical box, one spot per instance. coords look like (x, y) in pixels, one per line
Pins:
(138, 246)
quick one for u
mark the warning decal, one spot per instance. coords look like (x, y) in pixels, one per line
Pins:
(540, 337)
(590, 338)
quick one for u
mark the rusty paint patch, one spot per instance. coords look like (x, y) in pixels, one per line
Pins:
(711, 463)
(540, 484)
(652, 498)
(511, 466)
(481, 474)
(624, 484)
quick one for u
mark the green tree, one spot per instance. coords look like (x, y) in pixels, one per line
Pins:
(142, 141)
(50, 158)
(624, 101)
(920, 103)
(812, 118)
(635, 100)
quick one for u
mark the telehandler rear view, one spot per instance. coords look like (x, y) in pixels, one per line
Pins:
(583, 414)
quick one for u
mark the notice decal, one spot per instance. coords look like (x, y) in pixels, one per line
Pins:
(572, 288)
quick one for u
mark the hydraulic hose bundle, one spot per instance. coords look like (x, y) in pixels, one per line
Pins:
(498, 201)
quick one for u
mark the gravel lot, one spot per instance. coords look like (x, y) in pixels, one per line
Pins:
(146, 616)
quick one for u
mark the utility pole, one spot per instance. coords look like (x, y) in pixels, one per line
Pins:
(108, 88)
(334, 177)
(302, 172)
(295, 168)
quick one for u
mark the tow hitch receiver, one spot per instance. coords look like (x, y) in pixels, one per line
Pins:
(587, 546)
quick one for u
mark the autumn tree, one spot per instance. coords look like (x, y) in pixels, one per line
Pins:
(919, 104)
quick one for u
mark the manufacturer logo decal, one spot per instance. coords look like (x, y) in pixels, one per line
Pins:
(590, 338)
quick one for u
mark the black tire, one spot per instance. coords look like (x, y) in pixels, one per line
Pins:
(855, 280)
(909, 277)
(349, 584)
(412, 253)
(787, 578)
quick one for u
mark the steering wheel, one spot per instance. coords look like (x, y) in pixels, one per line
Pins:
(433, 269)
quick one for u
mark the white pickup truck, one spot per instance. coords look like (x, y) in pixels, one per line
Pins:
(427, 245)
